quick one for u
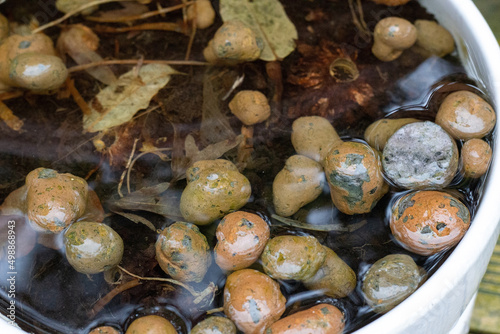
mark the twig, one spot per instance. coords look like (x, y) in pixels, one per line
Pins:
(134, 62)
(362, 15)
(165, 26)
(139, 17)
(112, 294)
(137, 158)
(12, 121)
(77, 97)
(191, 40)
(215, 310)
(11, 95)
(359, 23)
(199, 295)
(73, 12)
(122, 177)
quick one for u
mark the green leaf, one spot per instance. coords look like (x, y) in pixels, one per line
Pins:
(119, 102)
(268, 20)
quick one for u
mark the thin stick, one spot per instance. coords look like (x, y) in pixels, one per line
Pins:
(160, 279)
(95, 169)
(164, 26)
(134, 62)
(11, 95)
(73, 12)
(122, 177)
(77, 97)
(361, 15)
(215, 310)
(12, 121)
(362, 27)
(130, 161)
(191, 40)
(138, 157)
(112, 294)
(139, 17)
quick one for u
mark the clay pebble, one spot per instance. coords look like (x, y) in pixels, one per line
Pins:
(420, 155)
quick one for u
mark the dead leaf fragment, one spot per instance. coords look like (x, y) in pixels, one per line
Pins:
(159, 199)
(80, 43)
(181, 161)
(268, 20)
(129, 9)
(215, 125)
(215, 151)
(68, 6)
(120, 101)
(136, 219)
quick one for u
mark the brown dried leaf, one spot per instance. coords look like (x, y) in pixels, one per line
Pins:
(136, 219)
(129, 9)
(215, 151)
(192, 154)
(159, 199)
(80, 43)
(68, 6)
(190, 147)
(215, 125)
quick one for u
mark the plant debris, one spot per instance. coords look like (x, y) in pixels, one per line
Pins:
(117, 103)
(268, 20)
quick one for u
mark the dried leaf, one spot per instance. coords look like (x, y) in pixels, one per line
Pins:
(215, 126)
(67, 6)
(179, 160)
(136, 219)
(129, 9)
(159, 199)
(323, 228)
(192, 154)
(80, 43)
(215, 151)
(268, 20)
(190, 147)
(118, 103)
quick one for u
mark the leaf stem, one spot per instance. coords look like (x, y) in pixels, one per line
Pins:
(199, 295)
(137, 158)
(112, 294)
(73, 12)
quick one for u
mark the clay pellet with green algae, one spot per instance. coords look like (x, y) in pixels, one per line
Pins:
(354, 173)
(293, 257)
(183, 252)
(389, 281)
